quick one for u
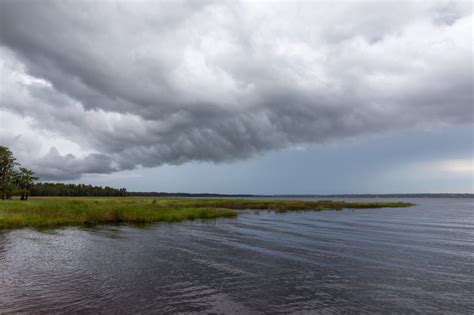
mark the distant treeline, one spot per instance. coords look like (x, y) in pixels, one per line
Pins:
(210, 195)
(59, 189)
(416, 195)
(205, 195)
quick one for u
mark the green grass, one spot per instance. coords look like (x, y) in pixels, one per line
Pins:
(50, 212)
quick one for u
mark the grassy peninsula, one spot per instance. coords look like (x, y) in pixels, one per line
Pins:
(51, 212)
(17, 210)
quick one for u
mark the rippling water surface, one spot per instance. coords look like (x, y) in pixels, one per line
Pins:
(376, 260)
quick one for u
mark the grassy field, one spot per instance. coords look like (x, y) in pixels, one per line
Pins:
(50, 212)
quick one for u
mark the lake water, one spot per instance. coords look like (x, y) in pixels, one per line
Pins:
(418, 259)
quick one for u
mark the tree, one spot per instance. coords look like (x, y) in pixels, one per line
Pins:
(7, 163)
(24, 180)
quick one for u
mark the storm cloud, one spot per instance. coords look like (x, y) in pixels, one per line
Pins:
(98, 87)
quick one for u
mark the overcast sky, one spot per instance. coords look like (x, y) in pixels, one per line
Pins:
(241, 97)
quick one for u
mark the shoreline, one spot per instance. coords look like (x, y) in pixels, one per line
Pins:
(56, 212)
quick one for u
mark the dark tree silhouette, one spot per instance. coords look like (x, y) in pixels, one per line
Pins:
(7, 173)
(24, 179)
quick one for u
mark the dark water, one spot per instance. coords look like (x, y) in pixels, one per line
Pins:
(419, 259)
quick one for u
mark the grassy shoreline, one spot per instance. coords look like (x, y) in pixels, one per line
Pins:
(52, 212)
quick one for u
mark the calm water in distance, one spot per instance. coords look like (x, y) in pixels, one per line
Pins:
(418, 259)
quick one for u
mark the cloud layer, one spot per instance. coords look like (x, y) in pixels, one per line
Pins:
(99, 87)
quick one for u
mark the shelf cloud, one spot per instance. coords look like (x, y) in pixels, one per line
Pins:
(113, 85)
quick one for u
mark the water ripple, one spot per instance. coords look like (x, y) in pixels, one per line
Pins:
(418, 259)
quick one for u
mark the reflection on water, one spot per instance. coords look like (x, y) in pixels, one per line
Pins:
(374, 260)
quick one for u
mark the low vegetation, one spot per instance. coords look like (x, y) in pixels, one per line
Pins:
(278, 205)
(50, 212)
(55, 212)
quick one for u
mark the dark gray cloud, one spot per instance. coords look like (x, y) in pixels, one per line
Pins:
(121, 84)
(55, 166)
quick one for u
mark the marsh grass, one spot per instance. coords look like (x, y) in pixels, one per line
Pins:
(50, 212)
(279, 205)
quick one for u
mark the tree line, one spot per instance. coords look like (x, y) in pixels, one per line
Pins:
(16, 180)
(60, 189)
